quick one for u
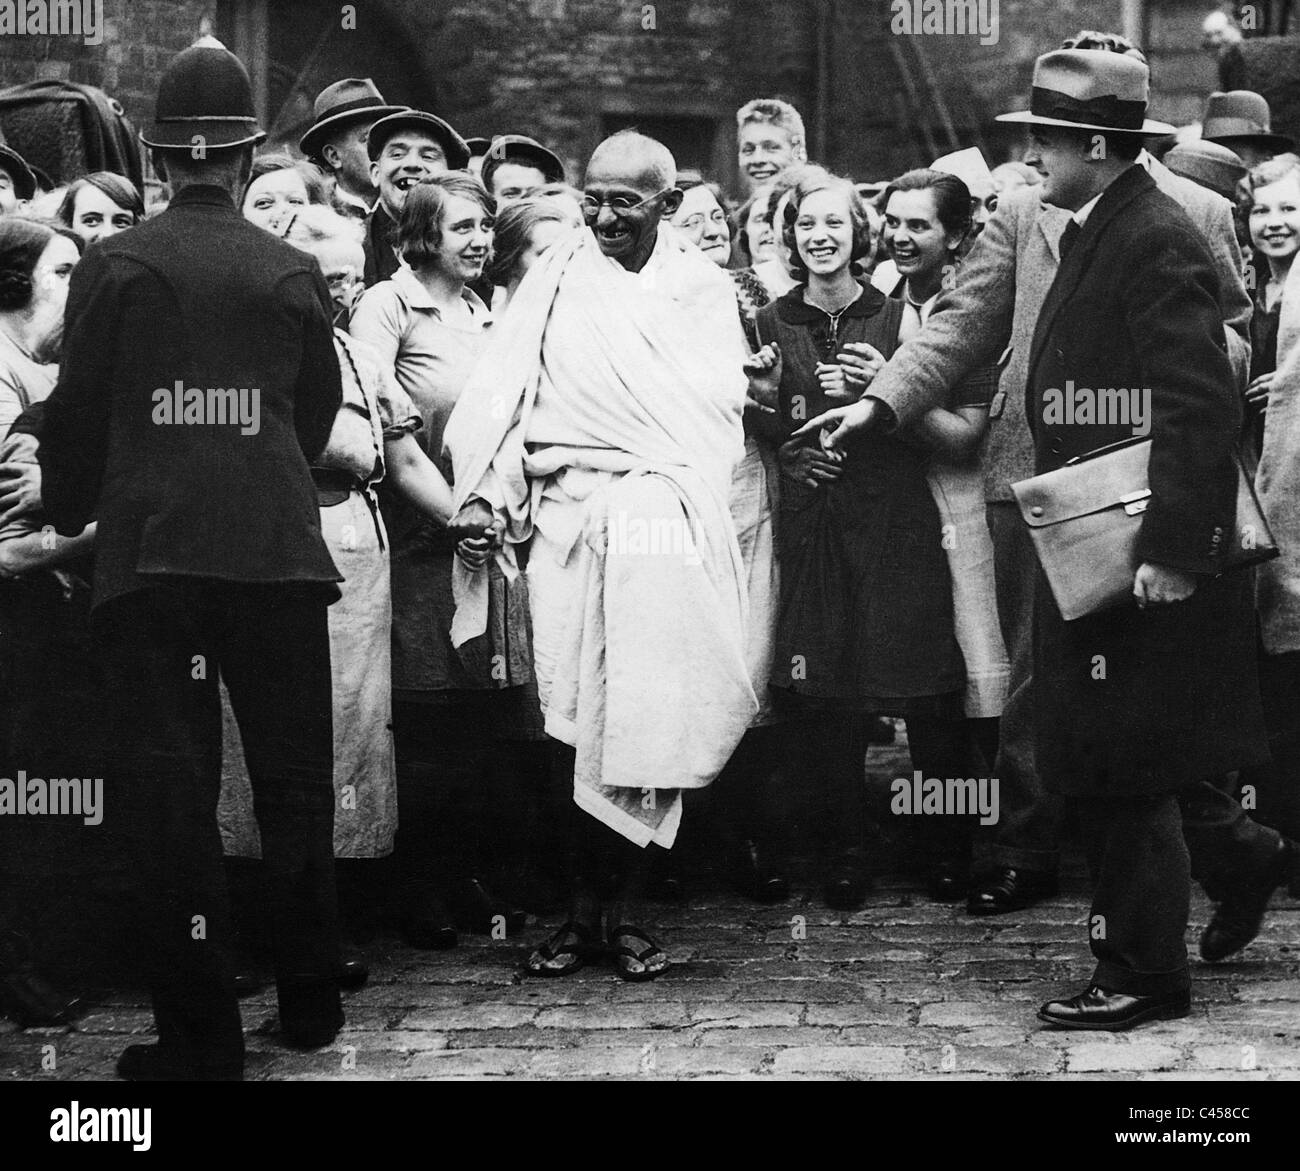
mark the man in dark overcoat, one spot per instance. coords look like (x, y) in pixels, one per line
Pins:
(1139, 702)
(199, 378)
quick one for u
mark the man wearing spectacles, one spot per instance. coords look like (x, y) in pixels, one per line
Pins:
(624, 212)
(613, 414)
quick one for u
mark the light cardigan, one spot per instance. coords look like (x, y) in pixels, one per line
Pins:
(1277, 589)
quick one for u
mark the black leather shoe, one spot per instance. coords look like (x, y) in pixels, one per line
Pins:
(1115, 1011)
(1009, 889)
(153, 1063)
(30, 1001)
(1238, 918)
(847, 887)
(26, 997)
(311, 1013)
(757, 879)
(353, 974)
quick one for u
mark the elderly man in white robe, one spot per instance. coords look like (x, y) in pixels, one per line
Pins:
(599, 435)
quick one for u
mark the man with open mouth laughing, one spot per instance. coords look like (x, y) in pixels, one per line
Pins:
(405, 149)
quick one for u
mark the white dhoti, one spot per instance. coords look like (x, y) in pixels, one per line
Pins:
(605, 428)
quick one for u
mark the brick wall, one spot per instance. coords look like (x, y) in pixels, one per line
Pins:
(140, 37)
(567, 71)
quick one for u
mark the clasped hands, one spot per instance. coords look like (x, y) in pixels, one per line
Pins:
(480, 532)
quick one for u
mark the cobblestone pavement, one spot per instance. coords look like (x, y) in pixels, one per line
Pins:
(902, 989)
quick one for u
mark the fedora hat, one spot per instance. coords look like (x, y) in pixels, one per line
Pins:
(23, 177)
(1241, 114)
(1209, 164)
(516, 148)
(204, 92)
(443, 133)
(349, 100)
(1087, 89)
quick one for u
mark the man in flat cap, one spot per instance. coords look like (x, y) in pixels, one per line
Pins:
(404, 148)
(517, 167)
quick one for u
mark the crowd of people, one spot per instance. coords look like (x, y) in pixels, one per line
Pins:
(401, 532)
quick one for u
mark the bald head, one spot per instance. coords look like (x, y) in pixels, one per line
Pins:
(636, 160)
(629, 188)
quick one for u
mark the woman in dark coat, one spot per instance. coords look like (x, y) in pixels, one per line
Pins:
(865, 623)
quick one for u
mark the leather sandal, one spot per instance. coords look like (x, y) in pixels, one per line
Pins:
(624, 953)
(586, 949)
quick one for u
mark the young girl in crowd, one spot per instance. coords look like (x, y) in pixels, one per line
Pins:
(927, 222)
(449, 704)
(524, 231)
(1273, 218)
(864, 625)
(1274, 221)
(278, 188)
(100, 205)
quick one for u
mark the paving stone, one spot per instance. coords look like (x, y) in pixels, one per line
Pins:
(1245, 1057)
(747, 1015)
(731, 1062)
(853, 1059)
(808, 990)
(467, 1063)
(593, 1062)
(965, 1014)
(1011, 1059)
(612, 1016)
(476, 1016)
(798, 1035)
(866, 1012)
(1121, 1053)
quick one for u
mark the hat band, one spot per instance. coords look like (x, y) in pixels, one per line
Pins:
(1234, 128)
(230, 119)
(370, 103)
(1107, 110)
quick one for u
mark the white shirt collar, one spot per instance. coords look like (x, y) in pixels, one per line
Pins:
(1080, 217)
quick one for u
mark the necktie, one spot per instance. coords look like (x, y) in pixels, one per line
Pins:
(1069, 238)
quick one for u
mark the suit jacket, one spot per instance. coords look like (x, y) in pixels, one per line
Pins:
(197, 296)
(381, 260)
(995, 302)
(1136, 306)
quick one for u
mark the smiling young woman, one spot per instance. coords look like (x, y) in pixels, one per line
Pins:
(449, 704)
(864, 625)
